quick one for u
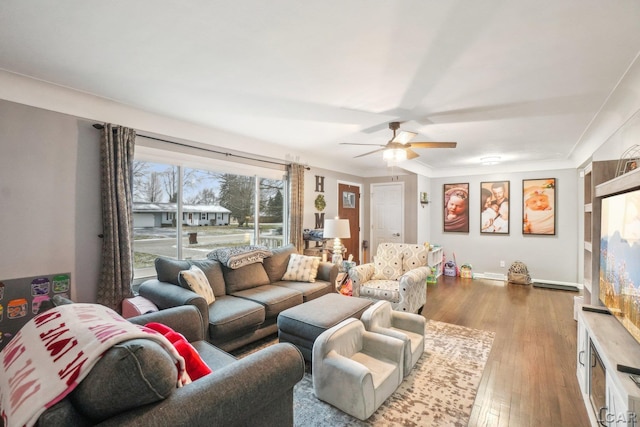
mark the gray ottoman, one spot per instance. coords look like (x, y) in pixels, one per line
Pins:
(302, 324)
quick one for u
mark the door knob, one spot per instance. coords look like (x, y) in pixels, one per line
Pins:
(396, 234)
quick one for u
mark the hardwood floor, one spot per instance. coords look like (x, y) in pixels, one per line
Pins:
(530, 377)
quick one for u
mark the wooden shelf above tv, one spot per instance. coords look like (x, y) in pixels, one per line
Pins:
(595, 173)
(619, 184)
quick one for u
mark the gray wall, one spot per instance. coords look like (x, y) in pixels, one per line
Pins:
(331, 181)
(49, 195)
(552, 258)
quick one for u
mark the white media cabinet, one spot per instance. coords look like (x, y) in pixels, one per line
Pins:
(614, 346)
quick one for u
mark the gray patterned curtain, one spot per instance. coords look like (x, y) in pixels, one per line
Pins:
(116, 164)
(296, 178)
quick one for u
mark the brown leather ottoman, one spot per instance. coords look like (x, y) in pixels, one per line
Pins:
(302, 324)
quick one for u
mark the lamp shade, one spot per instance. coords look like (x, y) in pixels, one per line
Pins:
(336, 228)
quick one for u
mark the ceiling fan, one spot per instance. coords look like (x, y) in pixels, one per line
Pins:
(398, 148)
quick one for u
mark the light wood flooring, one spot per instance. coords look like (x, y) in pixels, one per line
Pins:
(530, 377)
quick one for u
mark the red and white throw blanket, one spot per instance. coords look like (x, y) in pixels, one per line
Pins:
(55, 350)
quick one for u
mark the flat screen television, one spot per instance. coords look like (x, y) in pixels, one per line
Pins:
(620, 258)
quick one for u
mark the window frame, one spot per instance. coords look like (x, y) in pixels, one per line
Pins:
(187, 156)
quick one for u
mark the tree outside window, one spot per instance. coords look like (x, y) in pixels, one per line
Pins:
(218, 210)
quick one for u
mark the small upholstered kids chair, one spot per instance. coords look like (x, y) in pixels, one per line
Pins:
(409, 327)
(356, 370)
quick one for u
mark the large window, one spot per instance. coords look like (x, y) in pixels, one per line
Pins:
(184, 212)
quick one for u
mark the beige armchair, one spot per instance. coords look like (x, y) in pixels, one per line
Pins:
(408, 327)
(356, 370)
(398, 275)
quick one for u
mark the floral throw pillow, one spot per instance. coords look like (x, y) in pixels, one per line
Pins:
(196, 280)
(302, 268)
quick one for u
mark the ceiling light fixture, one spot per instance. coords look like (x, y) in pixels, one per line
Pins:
(491, 160)
(394, 155)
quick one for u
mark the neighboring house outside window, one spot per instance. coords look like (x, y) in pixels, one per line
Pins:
(218, 209)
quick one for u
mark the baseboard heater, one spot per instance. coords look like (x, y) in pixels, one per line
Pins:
(557, 286)
(492, 276)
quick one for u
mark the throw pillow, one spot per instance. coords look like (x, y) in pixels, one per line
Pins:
(197, 282)
(302, 268)
(168, 270)
(387, 267)
(276, 264)
(194, 365)
(247, 277)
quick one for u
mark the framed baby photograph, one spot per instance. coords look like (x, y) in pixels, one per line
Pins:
(494, 207)
(539, 206)
(456, 208)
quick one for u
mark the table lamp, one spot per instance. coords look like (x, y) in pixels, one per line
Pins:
(336, 229)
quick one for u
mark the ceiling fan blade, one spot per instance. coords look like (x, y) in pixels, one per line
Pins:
(411, 154)
(404, 136)
(433, 144)
(355, 143)
(370, 152)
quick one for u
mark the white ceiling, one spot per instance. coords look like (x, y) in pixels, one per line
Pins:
(521, 79)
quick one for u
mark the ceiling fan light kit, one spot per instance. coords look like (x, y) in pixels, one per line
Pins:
(398, 149)
(394, 155)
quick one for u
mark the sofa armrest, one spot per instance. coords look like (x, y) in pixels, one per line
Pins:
(328, 272)
(184, 319)
(408, 322)
(257, 387)
(415, 277)
(360, 274)
(167, 295)
(413, 289)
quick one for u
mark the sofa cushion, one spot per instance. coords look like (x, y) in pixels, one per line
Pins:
(302, 268)
(230, 317)
(276, 264)
(168, 269)
(215, 358)
(274, 298)
(387, 290)
(308, 290)
(195, 279)
(130, 374)
(247, 277)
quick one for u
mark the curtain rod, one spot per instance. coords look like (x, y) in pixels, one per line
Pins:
(101, 126)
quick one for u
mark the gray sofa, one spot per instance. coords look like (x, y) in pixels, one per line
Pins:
(247, 299)
(134, 384)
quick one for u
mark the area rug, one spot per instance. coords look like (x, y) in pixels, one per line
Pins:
(440, 390)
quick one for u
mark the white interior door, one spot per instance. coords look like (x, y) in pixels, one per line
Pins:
(387, 214)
